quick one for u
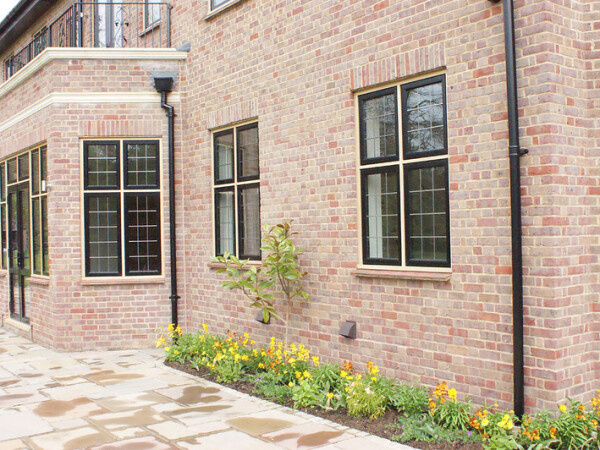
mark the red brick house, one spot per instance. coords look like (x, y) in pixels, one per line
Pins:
(381, 128)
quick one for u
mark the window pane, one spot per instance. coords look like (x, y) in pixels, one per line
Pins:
(378, 127)
(224, 220)
(142, 164)
(427, 214)
(224, 156)
(35, 172)
(382, 233)
(2, 184)
(4, 241)
(37, 238)
(103, 234)
(249, 226)
(43, 165)
(142, 234)
(102, 165)
(11, 167)
(217, 3)
(247, 143)
(26, 244)
(425, 119)
(24, 166)
(152, 13)
(46, 261)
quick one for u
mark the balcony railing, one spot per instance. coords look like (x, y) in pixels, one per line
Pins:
(116, 24)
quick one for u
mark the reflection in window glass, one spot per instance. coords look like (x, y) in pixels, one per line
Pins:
(249, 224)
(247, 142)
(142, 233)
(225, 222)
(102, 165)
(35, 172)
(382, 215)
(24, 167)
(37, 235)
(142, 164)
(224, 156)
(11, 168)
(103, 232)
(425, 118)
(378, 126)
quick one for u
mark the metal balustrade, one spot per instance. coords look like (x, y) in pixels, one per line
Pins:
(109, 24)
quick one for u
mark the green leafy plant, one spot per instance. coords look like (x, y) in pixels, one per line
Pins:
(410, 398)
(280, 267)
(269, 384)
(447, 411)
(574, 426)
(363, 400)
(306, 394)
(421, 427)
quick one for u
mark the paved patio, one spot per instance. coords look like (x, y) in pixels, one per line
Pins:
(129, 399)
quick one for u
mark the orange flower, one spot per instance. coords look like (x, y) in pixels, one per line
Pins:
(553, 432)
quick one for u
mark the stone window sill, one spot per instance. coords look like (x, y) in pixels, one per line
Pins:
(404, 274)
(150, 29)
(216, 265)
(121, 280)
(40, 280)
(221, 8)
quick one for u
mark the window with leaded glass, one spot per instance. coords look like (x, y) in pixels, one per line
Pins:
(122, 208)
(151, 13)
(237, 193)
(404, 175)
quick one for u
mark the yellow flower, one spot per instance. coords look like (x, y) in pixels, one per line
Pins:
(261, 366)
(252, 342)
(291, 384)
(373, 378)
(292, 360)
(167, 349)
(306, 374)
(563, 409)
(330, 395)
(175, 351)
(315, 360)
(452, 394)
(298, 374)
(506, 423)
(485, 423)
(343, 374)
(205, 327)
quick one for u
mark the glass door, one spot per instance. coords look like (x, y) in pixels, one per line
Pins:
(19, 259)
(108, 23)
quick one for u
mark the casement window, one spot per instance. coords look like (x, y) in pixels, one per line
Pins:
(219, 4)
(122, 217)
(26, 173)
(404, 175)
(151, 13)
(236, 191)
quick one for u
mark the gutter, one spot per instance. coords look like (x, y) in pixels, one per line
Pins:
(164, 84)
(514, 153)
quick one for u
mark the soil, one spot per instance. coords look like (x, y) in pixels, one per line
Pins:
(382, 426)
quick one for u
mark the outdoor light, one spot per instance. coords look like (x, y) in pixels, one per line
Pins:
(348, 329)
(260, 318)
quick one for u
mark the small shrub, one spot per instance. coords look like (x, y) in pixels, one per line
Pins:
(306, 394)
(574, 426)
(363, 400)
(447, 411)
(421, 427)
(409, 398)
(270, 386)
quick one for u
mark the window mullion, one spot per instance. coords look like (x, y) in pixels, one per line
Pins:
(401, 185)
(236, 213)
(122, 204)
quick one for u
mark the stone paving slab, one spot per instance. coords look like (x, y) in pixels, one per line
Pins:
(128, 399)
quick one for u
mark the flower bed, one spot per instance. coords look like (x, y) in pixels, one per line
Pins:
(369, 401)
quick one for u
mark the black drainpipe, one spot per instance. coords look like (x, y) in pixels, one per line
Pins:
(515, 152)
(164, 85)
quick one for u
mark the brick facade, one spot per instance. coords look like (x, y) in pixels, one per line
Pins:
(297, 67)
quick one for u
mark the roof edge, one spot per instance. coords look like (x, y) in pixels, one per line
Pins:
(21, 17)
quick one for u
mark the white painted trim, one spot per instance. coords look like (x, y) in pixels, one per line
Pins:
(89, 98)
(56, 53)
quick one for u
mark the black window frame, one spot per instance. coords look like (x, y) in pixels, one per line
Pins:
(402, 162)
(86, 185)
(364, 173)
(404, 90)
(363, 132)
(121, 192)
(86, 199)
(235, 184)
(426, 262)
(128, 271)
(140, 187)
